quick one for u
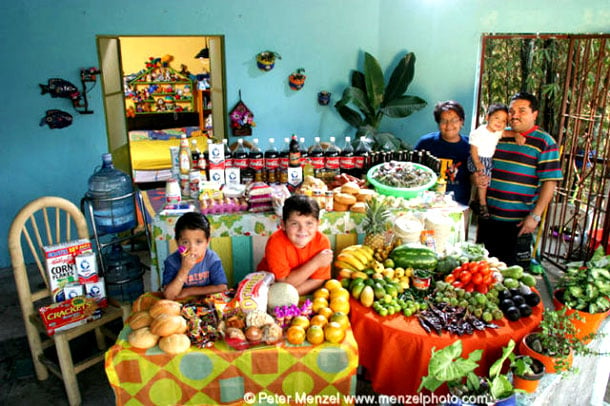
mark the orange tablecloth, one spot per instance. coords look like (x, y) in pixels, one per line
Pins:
(395, 350)
(283, 374)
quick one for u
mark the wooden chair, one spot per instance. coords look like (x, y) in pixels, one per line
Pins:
(47, 221)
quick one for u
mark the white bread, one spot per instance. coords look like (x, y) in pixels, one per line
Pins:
(139, 319)
(142, 338)
(167, 324)
(165, 306)
(350, 187)
(144, 302)
(175, 343)
(345, 199)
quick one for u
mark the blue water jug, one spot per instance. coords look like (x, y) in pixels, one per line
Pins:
(123, 275)
(112, 212)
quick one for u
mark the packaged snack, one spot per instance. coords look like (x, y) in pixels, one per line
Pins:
(252, 292)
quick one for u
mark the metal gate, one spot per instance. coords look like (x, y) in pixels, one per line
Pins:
(577, 219)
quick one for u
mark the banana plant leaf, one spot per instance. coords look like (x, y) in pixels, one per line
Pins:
(401, 78)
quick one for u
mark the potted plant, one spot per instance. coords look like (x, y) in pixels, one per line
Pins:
(447, 366)
(368, 99)
(527, 372)
(265, 60)
(296, 80)
(584, 289)
(555, 342)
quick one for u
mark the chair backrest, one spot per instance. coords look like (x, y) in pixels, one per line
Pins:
(48, 220)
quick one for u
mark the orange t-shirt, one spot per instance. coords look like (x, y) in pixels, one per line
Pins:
(281, 255)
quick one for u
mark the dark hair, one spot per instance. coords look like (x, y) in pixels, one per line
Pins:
(301, 204)
(192, 221)
(447, 106)
(527, 96)
(497, 107)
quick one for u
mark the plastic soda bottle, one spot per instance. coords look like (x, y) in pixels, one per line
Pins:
(346, 159)
(294, 153)
(332, 163)
(272, 162)
(256, 161)
(316, 156)
(362, 155)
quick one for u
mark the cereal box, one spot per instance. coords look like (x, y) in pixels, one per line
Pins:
(61, 265)
(68, 314)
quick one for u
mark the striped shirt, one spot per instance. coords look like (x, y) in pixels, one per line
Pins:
(518, 171)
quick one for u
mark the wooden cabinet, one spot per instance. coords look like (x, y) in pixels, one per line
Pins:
(204, 107)
(159, 90)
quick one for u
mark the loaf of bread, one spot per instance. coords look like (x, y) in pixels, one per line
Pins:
(351, 188)
(144, 302)
(358, 207)
(339, 206)
(365, 195)
(139, 319)
(142, 338)
(175, 343)
(165, 306)
(167, 324)
(345, 198)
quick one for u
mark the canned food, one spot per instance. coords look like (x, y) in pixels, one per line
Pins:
(194, 183)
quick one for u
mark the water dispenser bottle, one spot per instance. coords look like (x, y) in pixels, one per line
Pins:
(111, 213)
(123, 275)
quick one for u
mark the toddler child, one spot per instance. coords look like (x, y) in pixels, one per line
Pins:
(298, 253)
(193, 269)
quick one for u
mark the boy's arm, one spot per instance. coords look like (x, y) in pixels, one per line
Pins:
(299, 276)
(201, 290)
(172, 289)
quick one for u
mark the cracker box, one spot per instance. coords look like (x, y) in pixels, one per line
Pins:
(68, 314)
(61, 265)
(97, 291)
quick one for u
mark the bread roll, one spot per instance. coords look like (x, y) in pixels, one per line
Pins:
(358, 207)
(365, 195)
(142, 338)
(139, 319)
(345, 198)
(350, 187)
(339, 206)
(167, 324)
(144, 302)
(165, 306)
(175, 343)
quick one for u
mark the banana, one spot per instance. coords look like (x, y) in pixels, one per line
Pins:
(358, 253)
(352, 260)
(344, 265)
(368, 250)
(346, 273)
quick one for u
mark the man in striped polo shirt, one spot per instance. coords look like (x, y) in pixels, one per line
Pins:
(526, 169)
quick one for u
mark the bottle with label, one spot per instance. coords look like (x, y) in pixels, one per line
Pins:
(284, 161)
(195, 154)
(305, 160)
(346, 159)
(316, 156)
(331, 165)
(184, 156)
(256, 161)
(228, 154)
(272, 162)
(294, 154)
(362, 157)
(240, 160)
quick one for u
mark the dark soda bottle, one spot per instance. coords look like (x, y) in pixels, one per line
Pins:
(294, 154)
(316, 156)
(272, 162)
(240, 160)
(284, 161)
(362, 157)
(256, 161)
(332, 164)
(228, 154)
(346, 159)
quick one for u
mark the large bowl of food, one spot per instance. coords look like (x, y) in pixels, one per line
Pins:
(402, 179)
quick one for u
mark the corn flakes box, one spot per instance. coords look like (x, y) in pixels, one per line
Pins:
(61, 264)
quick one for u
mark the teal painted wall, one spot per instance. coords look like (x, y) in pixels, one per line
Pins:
(43, 39)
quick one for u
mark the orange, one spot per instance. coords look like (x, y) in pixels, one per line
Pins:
(340, 318)
(333, 333)
(318, 320)
(301, 321)
(321, 292)
(332, 284)
(315, 335)
(319, 303)
(340, 305)
(326, 312)
(295, 335)
(339, 293)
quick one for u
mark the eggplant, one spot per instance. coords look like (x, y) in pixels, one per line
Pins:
(504, 294)
(512, 313)
(506, 303)
(518, 300)
(525, 310)
(532, 299)
(514, 292)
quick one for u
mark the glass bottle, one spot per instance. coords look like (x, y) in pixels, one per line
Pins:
(184, 156)
(294, 153)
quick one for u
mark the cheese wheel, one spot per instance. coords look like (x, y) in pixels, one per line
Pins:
(175, 343)
(139, 319)
(142, 338)
(345, 198)
(166, 325)
(165, 306)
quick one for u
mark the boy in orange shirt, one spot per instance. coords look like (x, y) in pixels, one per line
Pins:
(298, 253)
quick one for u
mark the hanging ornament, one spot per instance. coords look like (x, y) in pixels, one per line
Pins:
(296, 80)
(242, 119)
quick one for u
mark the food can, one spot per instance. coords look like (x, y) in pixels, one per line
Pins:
(194, 183)
(185, 188)
(172, 191)
(329, 201)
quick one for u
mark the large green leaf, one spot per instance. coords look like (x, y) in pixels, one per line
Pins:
(352, 117)
(403, 106)
(375, 83)
(358, 80)
(358, 98)
(400, 79)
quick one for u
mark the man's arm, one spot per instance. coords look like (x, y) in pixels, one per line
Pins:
(529, 224)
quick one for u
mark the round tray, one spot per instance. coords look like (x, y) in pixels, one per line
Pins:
(406, 193)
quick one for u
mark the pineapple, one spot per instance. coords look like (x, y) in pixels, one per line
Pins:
(375, 224)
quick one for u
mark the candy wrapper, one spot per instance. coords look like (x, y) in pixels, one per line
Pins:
(202, 322)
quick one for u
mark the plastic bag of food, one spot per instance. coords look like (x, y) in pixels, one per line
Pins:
(252, 292)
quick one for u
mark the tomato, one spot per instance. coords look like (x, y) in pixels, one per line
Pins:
(457, 271)
(450, 278)
(482, 289)
(469, 287)
(457, 284)
(477, 279)
(488, 279)
(465, 276)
